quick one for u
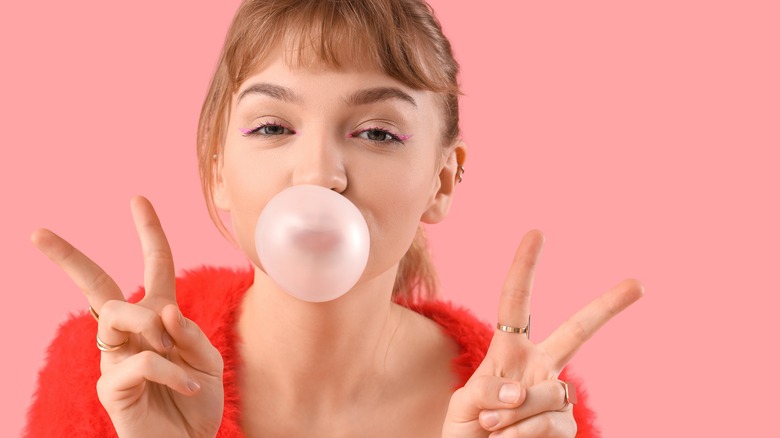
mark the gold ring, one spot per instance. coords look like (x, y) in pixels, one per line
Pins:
(107, 348)
(569, 394)
(93, 313)
(509, 329)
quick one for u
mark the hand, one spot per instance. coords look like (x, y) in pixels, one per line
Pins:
(514, 390)
(166, 377)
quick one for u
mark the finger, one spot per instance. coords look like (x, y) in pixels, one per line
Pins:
(120, 320)
(97, 286)
(515, 301)
(159, 274)
(545, 396)
(126, 379)
(564, 342)
(192, 345)
(485, 392)
(548, 424)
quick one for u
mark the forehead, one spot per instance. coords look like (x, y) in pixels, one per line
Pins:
(288, 55)
(278, 78)
(339, 47)
(297, 52)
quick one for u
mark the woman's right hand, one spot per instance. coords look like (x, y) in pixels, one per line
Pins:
(167, 378)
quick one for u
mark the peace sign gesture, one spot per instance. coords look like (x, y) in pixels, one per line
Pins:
(159, 372)
(515, 391)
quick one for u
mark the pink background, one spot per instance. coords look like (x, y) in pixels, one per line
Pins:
(642, 138)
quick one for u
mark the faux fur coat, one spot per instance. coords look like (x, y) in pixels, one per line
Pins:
(66, 403)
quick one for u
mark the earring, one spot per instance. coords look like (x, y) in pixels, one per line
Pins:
(459, 174)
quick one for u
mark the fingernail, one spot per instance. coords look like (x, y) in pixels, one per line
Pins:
(496, 435)
(489, 418)
(192, 385)
(167, 341)
(509, 393)
(182, 320)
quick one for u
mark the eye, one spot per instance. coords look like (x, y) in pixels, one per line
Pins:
(379, 135)
(268, 130)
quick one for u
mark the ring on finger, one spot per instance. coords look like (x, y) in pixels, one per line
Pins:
(107, 348)
(523, 330)
(94, 313)
(569, 394)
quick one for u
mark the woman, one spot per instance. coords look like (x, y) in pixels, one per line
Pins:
(359, 97)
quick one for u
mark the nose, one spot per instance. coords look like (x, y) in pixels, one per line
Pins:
(320, 163)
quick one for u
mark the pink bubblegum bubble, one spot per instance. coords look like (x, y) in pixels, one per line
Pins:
(312, 242)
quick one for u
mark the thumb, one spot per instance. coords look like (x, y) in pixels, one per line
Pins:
(485, 392)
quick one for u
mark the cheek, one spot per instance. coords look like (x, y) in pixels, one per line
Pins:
(392, 204)
(249, 186)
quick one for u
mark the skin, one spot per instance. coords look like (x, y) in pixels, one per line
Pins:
(361, 336)
(168, 377)
(515, 365)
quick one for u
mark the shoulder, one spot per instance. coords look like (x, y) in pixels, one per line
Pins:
(470, 334)
(209, 295)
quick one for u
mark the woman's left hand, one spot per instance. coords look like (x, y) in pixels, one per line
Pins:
(515, 391)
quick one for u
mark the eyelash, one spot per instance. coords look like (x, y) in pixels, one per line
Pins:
(398, 139)
(256, 131)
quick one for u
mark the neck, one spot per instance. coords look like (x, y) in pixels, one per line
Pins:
(309, 353)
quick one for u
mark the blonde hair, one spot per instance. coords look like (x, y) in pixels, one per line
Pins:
(402, 38)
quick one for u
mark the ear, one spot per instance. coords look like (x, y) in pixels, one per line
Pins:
(449, 176)
(218, 190)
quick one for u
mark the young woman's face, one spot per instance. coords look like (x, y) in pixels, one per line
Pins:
(361, 134)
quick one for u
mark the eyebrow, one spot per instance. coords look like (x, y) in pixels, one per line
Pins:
(362, 97)
(378, 94)
(275, 91)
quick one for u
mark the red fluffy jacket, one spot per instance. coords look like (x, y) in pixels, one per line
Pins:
(66, 403)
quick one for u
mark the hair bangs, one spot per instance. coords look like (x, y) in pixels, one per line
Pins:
(337, 34)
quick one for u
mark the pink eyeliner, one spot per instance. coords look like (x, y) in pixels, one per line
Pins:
(401, 137)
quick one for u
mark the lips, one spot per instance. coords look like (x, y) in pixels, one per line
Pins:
(312, 242)
(315, 240)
